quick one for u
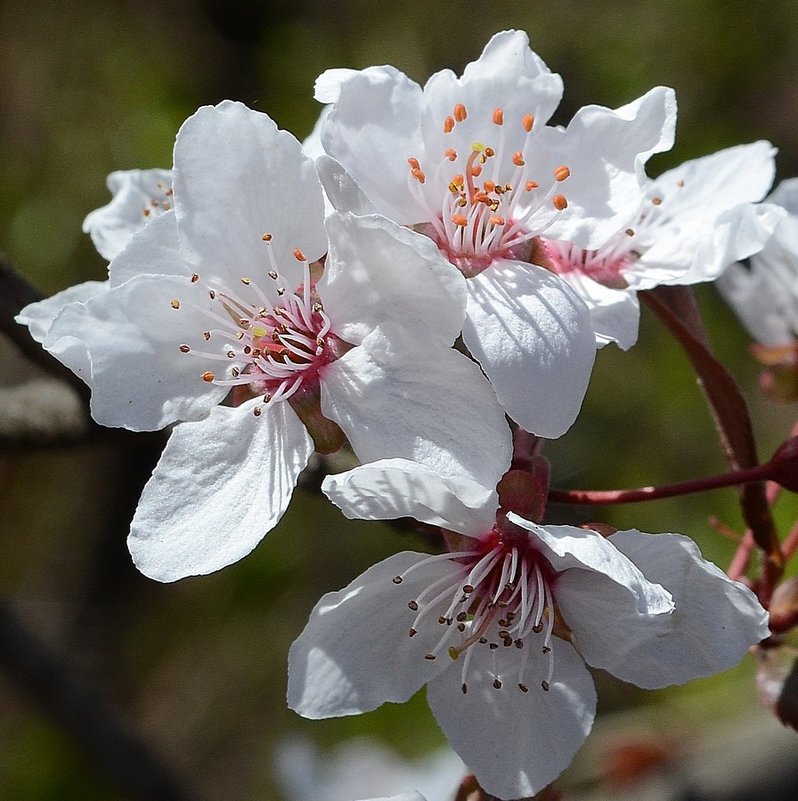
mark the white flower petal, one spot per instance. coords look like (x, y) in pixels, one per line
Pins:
(355, 652)
(372, 130)
(714, 623)
(614, 313)
(39, 316)
(605, 150)
(140, 196)
(393, 488)
(378, 273)
(532, 335)
(129, 353)
(221, 485)
(397, 397)
(153, 250)
(515, 742)
(236, 178)
(340, 188)
(582, 558)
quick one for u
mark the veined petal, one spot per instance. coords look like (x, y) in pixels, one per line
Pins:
(714, 622)
(582, 559)
(130, 354)
(516, 742)
(39, 316)
(220, 486)
(397, 397)
(379, 273)
(393, 488)
(532, 335)
(236, 178)
(614, 313)
(355, 652)
(372, 130)
(140, 196)
(605, 150)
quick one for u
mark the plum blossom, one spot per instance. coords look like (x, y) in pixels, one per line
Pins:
(219, 299)
(500, 626)
(693, 222)
(472, 163)
(139, 196)
(764, 293)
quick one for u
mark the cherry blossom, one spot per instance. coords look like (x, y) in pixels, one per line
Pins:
(219, 299)
(501, 625)
(471, 162)
(694, 221)
(764, 293)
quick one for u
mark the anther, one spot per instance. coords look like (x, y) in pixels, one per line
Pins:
(257, 411)
(194, 278)
(184, 348)
(267, 237)
(489, 152)
(493, 646)
(680, 183)
(451, 154)
(453, 652)
(523, 688)
(230, 354)
(498, 116)
(483, 640)
(448, 125)
(459, 219)
(545, 685)
(519, 643)
(546, 649)
(497, 684)
(208, 376)
(429, 657)
(146, 212)
(412, 633)
(630, 232)
(397, 579)
(299, 255)
(561, 173)
(461, 617)
(656, 201)
(246, 281)
(272, 274)
(461, 627)
(495, 219)
(464, 688)
(206, 335)
(413, 605)
(560, 202)
(531, 186)
(460, 112)
(175, 304)
(518, 158)
(441, 620)
(418, 175)
(528, 121)
(413, 162)
(212, 295)
(537, 629)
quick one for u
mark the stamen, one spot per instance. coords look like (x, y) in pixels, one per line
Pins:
(561, 173)
(498, 117)
(460, 113)
(560, 202)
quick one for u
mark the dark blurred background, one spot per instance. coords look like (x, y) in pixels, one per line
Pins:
(195, 671)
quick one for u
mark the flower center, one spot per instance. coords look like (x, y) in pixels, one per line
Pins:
(274, 342)
(497, 596)
(486, 204)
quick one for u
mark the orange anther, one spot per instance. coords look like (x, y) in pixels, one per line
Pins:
(561, 173)
(458, 219)
(418, 175)
(528, 121)
(531, 186)
(451, 154)
(413, 162)
(460, 112)
(518, 158)
(489, 151)
(299, 255)
(657, 201)
(490, 186)
(498, 116)
(560, 202)
(476, 170)
(267, 237)
(208, 376)
(497, 220)
(448, 125)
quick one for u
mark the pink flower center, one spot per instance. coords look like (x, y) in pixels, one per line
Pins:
(272, 348)
(486, 204)
(605, 266)
(497, 596)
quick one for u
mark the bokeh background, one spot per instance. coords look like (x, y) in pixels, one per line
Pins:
(196, 670)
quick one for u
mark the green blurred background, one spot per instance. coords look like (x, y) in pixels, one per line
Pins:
(198, 668)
